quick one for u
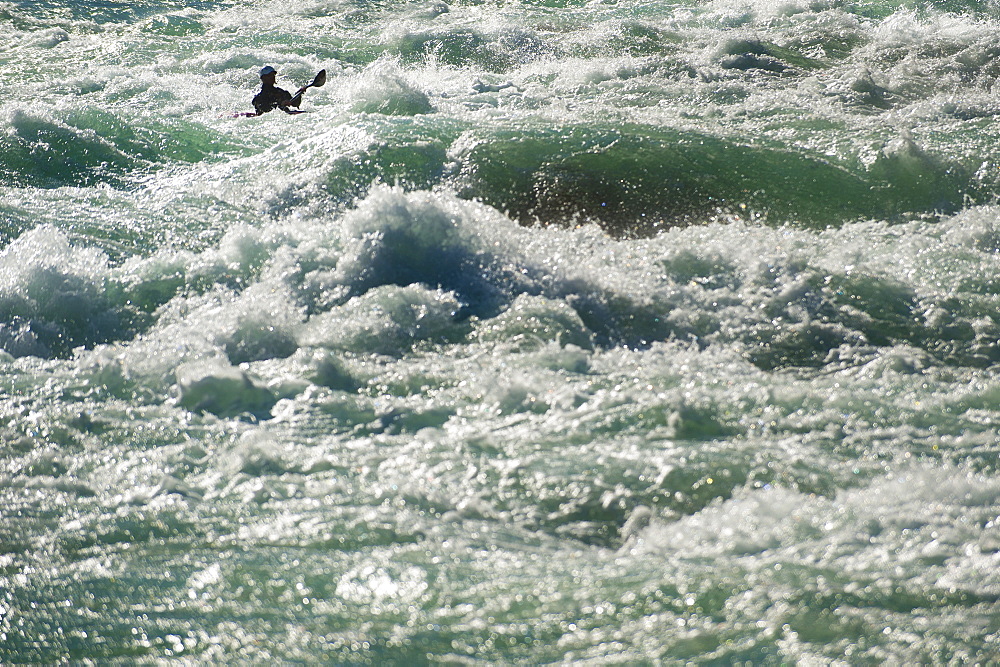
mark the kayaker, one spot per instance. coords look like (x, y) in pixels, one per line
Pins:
(271, 97)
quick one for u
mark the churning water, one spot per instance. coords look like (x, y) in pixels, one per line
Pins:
(554, 331)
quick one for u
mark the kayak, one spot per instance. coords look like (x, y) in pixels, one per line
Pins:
(253, 114)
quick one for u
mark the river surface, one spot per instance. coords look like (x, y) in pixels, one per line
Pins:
(554, 331)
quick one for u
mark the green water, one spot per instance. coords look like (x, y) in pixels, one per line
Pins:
(553, 332)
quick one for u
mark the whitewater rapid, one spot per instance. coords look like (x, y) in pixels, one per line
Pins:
(553, 332)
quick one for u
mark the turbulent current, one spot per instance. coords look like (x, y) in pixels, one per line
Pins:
(553, 331)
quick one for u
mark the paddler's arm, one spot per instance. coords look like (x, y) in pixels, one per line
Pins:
(296, 99)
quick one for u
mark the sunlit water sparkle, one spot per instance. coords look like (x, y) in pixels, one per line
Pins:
(602, 332)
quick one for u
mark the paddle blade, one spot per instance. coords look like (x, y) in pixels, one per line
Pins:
(320, 79)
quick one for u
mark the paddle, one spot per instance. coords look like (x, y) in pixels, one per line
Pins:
(317, 82)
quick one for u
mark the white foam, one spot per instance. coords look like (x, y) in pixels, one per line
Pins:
(46, 281)
(901, 518)
(386, 320)
(384, 88)
(211, 386)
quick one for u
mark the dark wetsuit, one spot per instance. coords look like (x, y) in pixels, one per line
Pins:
(271, 97)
